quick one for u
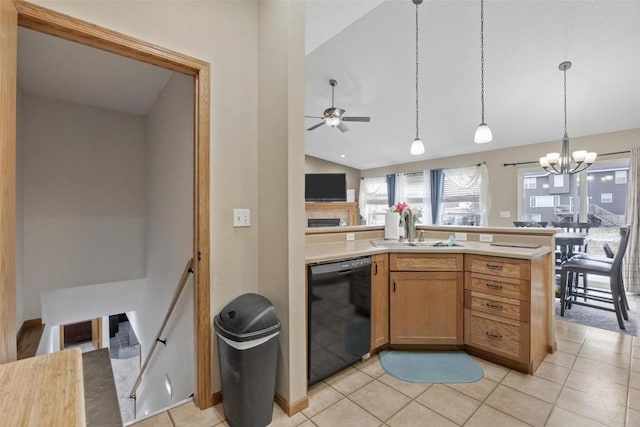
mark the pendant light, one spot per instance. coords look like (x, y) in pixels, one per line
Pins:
(483, 132)
(417, 147)
(560, 163)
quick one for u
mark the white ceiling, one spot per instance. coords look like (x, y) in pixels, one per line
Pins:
(60, 69)
(373, 60)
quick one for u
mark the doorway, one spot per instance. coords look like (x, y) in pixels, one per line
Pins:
(59, 25)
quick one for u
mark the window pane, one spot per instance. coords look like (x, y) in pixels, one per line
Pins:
(461, 204)
(621, 177)
(606, 198)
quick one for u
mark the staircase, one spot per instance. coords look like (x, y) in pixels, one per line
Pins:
(100, 396)
(606, 217)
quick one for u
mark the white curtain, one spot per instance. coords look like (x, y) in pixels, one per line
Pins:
(485, 195)
(369, 188)
(426, 208)
(468, 177)
(632, 259)
(401, 185)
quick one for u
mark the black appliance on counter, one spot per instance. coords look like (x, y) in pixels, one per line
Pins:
(338, 317)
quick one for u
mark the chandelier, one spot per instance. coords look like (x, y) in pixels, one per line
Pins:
(561, 163)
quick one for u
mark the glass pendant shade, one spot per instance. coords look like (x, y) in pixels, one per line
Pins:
(483, 134)
(417, 147)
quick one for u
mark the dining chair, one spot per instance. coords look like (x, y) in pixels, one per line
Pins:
(584, 265)
(573, 227)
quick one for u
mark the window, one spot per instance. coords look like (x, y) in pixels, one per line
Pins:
(621, 177)
(461, 197)
(606, 198)
(373, 200)
(544, 201)
(530, 183)
(415, 195)
(558, 180)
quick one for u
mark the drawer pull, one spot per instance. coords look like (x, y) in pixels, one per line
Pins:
(494, 266)
(494, 286)
(493, 335)
(494, 305)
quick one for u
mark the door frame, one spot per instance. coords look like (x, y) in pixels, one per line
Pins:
(14, 13)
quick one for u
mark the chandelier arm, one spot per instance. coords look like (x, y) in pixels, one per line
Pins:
(580, 166)
(555, 170)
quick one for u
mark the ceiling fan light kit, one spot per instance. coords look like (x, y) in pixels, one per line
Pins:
(483, 132)
(417, 147)
(333, 116)
(560, 163)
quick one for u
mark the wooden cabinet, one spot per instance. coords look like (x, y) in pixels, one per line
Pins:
(379, 300)
(426, 299)
(503, 297)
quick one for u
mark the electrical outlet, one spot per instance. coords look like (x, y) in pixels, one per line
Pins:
(350, 236)
(487, 238)
(505, 214)
(461, 236)
(241, 217)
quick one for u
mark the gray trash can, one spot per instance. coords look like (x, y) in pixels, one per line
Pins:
(247, 330)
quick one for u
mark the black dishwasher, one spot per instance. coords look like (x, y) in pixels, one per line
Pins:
(338, 317)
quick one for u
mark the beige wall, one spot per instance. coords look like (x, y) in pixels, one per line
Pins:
(504, 179)
(281, 184)
(84, 212)
(316, 165)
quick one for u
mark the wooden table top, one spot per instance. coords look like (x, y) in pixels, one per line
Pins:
(44, 390)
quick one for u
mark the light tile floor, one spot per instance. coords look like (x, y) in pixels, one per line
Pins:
(592, 380)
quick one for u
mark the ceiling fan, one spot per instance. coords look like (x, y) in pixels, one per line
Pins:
(334, 116)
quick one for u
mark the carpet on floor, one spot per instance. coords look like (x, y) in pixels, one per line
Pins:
(600, 318)
(431, 366)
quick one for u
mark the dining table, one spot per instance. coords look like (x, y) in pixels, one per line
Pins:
(567, 240)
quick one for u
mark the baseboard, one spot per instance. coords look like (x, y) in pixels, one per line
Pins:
(291, 408)
(216, 398)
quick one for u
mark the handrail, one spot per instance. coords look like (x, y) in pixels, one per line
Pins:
(183, 280)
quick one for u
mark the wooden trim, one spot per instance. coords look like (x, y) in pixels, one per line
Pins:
(96, 332)
(291, 408)
(201, 243)
(28, 324)
(69, 28)
(350, 207)
(61, 334)
(216, 397)
(8, 67)
(54, 23)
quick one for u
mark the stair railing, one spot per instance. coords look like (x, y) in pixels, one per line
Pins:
(188, 269)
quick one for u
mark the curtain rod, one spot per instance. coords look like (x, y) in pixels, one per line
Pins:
(599, 155)
(416, 173)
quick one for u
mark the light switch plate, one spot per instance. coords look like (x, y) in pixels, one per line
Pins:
(241, 217)
(461, 236)
(505, 214)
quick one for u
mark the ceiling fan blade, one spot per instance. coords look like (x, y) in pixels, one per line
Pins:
(314, 117)
(356, 119)
(342, 127)
(316, 126)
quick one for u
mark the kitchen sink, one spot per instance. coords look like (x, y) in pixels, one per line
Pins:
(414, 244)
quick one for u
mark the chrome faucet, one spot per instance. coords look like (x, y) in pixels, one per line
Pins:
(409, 229)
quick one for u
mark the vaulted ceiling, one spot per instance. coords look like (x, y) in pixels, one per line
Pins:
(373, 60)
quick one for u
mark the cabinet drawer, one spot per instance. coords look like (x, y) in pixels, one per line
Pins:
(498, 266)
(508, 338)
(425, 262)
(504, 307)
(498, 286)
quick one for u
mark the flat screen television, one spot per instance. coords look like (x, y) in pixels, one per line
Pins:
(325, 187)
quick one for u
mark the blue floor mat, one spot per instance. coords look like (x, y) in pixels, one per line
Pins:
(431, 366)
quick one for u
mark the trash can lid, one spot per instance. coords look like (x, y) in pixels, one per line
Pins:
(247, 317)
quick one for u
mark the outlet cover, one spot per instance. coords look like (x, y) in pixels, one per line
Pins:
(241, 217)
(505, 214)
(351, 236)
(487, 238)
(461, 236)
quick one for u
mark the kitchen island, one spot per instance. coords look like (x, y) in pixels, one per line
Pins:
(493, 301)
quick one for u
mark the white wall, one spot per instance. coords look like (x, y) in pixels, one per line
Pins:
(19, 212)
(83, 197)
(169, 243)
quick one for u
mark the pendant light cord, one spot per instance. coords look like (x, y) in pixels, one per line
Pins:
(417, 124)
(565, 102)
(482, 56)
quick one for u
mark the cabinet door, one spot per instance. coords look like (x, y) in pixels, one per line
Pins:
(426, 308)
(379, 300)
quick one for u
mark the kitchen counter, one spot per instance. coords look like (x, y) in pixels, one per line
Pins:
(319, 252)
